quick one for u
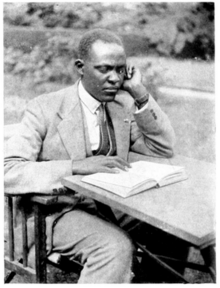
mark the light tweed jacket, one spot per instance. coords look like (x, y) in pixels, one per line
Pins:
(53, 133)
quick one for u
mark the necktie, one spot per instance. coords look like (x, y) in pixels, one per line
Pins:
(104, 140)
(107, 140)
(107, 147)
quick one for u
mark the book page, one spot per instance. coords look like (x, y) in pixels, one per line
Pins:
(155, 171)
(120, 190)
(141, 176)
(139, 173)
(122, 178)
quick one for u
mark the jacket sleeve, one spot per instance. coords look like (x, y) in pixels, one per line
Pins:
(151, 132)
(23, 172)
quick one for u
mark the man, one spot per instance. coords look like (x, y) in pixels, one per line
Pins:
(63, 134)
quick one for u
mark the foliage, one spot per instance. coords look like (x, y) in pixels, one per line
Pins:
(17, 15)
(179, 29)
(197, 31)
(172, 29)
(66, 15)
(184, 30)
(51, 62)
(54, 62)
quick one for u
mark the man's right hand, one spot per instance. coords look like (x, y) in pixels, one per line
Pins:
(95, 164)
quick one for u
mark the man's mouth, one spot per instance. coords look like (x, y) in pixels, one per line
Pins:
(111, 90)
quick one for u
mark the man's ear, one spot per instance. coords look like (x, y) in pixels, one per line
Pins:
(79, 63)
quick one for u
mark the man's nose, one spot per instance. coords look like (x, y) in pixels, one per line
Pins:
(114, 77)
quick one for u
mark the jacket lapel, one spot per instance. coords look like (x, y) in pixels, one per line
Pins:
(71, 127)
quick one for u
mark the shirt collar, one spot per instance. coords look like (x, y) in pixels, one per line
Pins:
(90, 102)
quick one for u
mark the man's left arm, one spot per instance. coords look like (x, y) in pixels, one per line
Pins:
(151, 132)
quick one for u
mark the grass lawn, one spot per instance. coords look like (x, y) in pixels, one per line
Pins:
(194, 125)
(192, 119)
(195, 75)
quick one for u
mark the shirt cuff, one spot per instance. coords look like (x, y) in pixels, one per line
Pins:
(142, 109)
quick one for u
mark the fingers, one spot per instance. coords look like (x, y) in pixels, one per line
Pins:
(129, 71)
(116, 162)
(120, 160)
(95, 164)
(109, 170)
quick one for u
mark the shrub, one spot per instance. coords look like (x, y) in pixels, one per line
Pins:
(67, 15)
(197, 30)
(169, 29)
(179, 29)
(54, 62)
(17, 15)
(51, 62)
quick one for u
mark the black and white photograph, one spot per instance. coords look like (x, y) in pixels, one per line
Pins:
(109, 142)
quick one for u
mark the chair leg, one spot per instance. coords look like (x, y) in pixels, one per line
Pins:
(9, 276)
(19, 267)
(24, 237)
(40, 245)
(10, 229)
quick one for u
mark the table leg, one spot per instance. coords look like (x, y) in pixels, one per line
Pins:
(105, 212)
(209, 257)
(159, 263)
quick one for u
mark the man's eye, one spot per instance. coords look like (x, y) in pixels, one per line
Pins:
(103, 70)
(121, 70)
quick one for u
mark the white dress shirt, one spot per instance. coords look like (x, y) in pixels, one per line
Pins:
(90, 107)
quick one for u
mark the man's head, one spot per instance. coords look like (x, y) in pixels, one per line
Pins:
(101, 64)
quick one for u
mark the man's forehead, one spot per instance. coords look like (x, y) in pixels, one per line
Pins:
(100, 49)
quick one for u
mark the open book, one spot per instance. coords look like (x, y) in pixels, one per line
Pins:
(141, 176)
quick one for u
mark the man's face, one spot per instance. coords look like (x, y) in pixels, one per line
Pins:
(104, 70)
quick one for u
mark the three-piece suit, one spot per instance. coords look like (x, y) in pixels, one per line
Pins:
(53, 134)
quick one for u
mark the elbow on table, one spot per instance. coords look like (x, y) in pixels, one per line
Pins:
(171, 140)
(167, 148)
(169, 153)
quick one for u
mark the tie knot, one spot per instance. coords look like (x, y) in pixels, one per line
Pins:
(102, 106)
(102, 113)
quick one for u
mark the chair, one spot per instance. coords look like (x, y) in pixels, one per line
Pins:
(20, 266)
(40, 205)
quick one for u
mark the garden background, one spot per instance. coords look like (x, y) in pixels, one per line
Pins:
(172, 43)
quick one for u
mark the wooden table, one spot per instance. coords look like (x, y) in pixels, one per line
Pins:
(185, 209)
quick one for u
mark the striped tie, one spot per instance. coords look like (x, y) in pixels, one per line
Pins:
(107, 139)
(107, 147)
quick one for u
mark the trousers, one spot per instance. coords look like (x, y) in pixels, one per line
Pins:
(105, 249)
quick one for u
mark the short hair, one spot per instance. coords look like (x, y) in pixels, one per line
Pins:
(90, 37)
